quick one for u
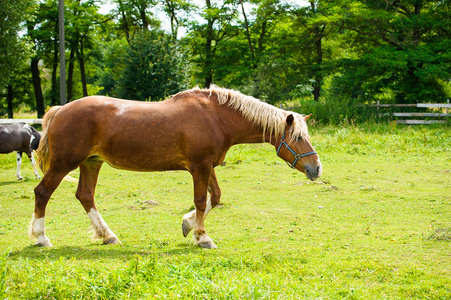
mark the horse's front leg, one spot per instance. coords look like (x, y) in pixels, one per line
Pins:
(201, 176)
(212, 201)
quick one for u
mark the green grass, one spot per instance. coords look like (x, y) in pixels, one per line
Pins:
(376, 225)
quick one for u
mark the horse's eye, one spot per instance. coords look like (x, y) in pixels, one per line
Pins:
(299, 138)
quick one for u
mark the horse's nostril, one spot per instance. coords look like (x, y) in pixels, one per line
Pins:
(319, 170)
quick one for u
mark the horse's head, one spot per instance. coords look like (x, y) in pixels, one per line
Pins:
(295, 148)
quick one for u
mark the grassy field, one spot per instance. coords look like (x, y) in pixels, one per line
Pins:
(376, 225)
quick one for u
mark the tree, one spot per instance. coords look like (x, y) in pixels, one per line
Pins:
(13, 48)
(83, 22)
(316, 23)
(112, 66)
(177, 11)
(205, 38)
(402, 50)
(135, 16)
(153, 68)
(42, 31)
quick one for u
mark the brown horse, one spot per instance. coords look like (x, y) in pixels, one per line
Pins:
(191, 131)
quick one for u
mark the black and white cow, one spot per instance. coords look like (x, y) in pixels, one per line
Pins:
(20, 137)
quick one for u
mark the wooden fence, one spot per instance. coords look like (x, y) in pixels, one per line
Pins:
(439, 117)
(14, 121)
(378, 105)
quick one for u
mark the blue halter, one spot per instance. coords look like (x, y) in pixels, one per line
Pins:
(297, 156)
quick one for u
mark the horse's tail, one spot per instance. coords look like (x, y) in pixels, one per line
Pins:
(43, 153)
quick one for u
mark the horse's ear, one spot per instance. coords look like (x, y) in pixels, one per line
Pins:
(290, 119)
(307, 117)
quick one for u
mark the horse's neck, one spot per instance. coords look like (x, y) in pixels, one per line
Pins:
(244, 132)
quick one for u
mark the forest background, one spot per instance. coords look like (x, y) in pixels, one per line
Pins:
(325, 56)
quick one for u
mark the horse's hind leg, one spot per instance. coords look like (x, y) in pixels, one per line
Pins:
(212, 201)
(19, 163)
(42, 192)
(89, 172)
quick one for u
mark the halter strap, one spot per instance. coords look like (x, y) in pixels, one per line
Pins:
(297, 156)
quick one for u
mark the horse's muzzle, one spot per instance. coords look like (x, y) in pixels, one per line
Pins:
(313, 171)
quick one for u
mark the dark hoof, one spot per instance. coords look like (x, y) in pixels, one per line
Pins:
(44, 245)
(208, 245)
(185, 229)
(112, 241)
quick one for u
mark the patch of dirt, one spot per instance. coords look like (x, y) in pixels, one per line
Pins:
(145, 204)
(312, 182)
(441, 234)
(331, 188)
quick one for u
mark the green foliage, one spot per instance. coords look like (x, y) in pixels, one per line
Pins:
(336, 110)
(13, 47)
(153, 68)
(335, 52)
(114, 59)
(403, 52)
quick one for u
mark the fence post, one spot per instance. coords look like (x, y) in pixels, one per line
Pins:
(447, 112)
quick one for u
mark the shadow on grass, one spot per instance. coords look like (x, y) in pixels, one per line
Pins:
(3, 183)
(99, 252)
(25, 179)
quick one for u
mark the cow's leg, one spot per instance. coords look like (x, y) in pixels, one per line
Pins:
(19, 163)
(33, 163)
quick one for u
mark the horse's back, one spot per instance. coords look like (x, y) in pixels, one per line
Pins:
(136, 135)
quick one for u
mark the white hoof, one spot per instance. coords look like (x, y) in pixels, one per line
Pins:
(43, 241)
(204, 241)
(37, 232)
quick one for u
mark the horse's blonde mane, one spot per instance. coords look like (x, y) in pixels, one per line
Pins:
(268, 117)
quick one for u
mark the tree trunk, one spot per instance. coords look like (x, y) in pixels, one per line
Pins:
(209, 57)
(174, 21)
(142, 13)
(208, 50)
(37, 87)
(248, 34)
(319, 58)
(81, 61)
(10, 101)
(70, 76)
(124, 20)
(54, 92)
(416, 29)
(262, 37)
(318, 72)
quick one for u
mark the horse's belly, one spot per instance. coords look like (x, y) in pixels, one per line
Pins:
(146, 161)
